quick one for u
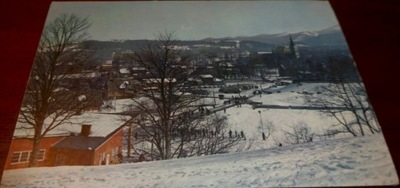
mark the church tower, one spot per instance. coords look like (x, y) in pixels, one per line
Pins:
(293, 50)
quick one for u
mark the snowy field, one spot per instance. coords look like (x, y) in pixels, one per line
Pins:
(343, 162)
(337, 161)
(275, 121)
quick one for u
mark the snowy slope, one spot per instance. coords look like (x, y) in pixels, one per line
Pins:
(279, 120)
(348, 161)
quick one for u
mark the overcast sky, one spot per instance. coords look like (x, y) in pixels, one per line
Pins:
(198, 20)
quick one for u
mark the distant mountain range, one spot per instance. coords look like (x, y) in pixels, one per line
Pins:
(331, 36)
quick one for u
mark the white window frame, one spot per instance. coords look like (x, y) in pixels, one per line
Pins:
(19, 153)
(44, 155)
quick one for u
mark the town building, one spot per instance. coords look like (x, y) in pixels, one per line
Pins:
(87, 139)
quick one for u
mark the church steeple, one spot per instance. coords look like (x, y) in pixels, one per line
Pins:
(291, 41)
(292, 48)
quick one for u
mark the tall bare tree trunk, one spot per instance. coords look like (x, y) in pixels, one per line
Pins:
(59, 54)
(168, 141)
(129, 140)
(33, 158)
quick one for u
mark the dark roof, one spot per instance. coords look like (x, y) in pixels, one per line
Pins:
(80, 142)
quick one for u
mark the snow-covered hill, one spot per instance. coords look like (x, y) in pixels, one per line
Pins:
(329, 36)
(346, 162)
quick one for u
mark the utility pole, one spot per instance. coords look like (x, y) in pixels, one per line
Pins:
(215, 102)
(262, 126)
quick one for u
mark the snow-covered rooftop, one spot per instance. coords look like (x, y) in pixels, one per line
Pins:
(81, 75)
(124, 71)
(158, 80)
(138, 68)
(206, 76)
(101, 126)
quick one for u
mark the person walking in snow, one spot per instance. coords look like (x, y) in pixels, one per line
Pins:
(242, 135)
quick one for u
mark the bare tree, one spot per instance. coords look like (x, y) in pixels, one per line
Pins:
(211, 139)
(299, 133)
(345, 99)
(168, 116)
(52, 96)
(266, 129)
(348, 104)
(195, 136)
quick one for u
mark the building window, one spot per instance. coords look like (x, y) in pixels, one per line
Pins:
(23, 156)
(114, 152)
(41, 155)
(15, 158)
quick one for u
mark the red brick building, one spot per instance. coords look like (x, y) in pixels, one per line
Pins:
(91, 139)
(20, 150)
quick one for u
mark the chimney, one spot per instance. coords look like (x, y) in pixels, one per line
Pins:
(85, 130)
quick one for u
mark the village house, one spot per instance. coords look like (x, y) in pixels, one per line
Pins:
(155, 83)
(106, 66)
(207, 79)
(119, 88)
(124, 72)
(136, 71)
(88, 139)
